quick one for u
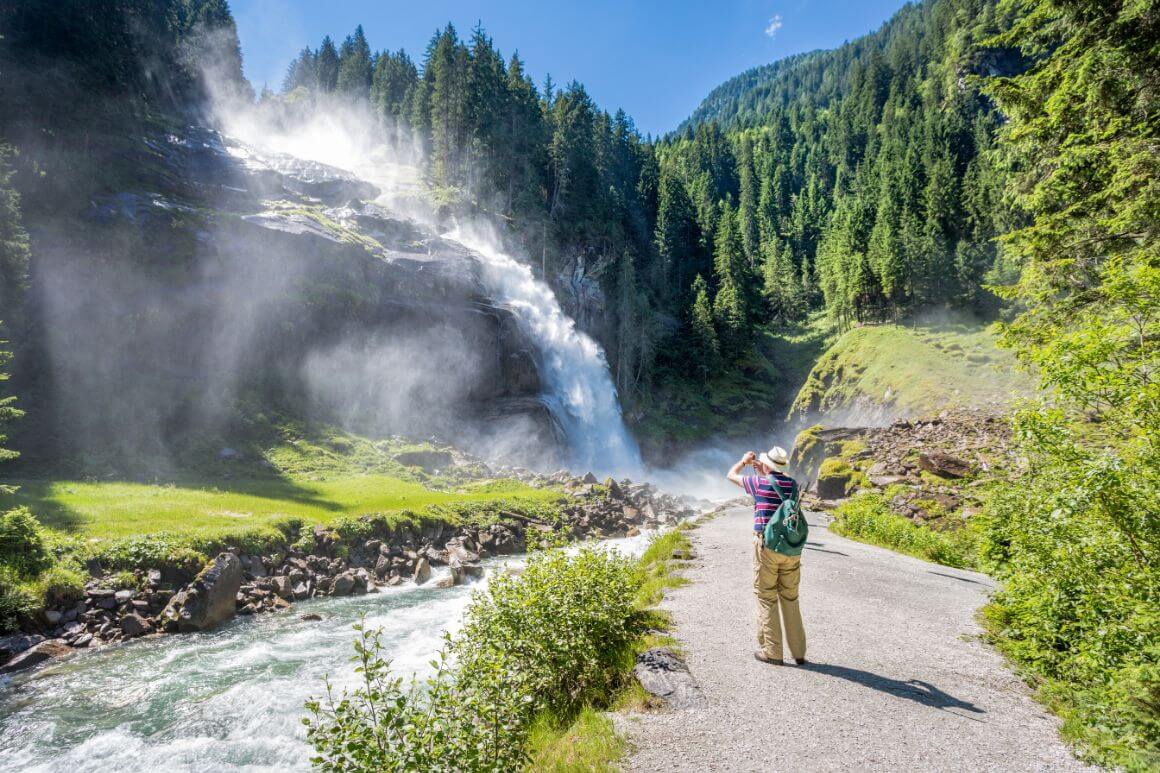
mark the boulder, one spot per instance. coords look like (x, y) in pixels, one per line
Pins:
(210, 599)
(944, 465)
(447, 581)
(429, 461)
(310, 617)
(11, 646)
(283, 587)
(663, 674)
(35, 655)
(125, 596)
(422, 571)
(343, 584)
(134, 625)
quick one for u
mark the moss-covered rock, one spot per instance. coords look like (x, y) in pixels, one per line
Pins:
(836, 479)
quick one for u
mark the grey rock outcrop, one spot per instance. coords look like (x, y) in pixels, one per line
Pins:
(210, 600)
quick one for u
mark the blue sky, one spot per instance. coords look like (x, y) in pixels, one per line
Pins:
(656, 60)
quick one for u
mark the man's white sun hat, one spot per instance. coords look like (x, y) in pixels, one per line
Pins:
(775, 458)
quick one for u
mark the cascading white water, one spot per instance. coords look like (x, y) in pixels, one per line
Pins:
(581, 393)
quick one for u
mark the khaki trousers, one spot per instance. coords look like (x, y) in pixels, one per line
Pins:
(775, 580)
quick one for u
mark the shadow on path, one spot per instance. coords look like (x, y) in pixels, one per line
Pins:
(815, 546)
(913, 689)
(956, 577)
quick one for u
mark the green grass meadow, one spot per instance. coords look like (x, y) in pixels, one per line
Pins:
(123, 509)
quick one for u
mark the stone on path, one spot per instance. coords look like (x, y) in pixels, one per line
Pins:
(663, 674)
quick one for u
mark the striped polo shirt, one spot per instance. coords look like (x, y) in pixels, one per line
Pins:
(767, 491)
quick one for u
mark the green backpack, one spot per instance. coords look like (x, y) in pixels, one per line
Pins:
(787, 530)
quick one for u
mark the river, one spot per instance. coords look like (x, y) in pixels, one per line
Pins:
(228, 699)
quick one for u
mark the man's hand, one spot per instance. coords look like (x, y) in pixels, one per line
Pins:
(734, 473)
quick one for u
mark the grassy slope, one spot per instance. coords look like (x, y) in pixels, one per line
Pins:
(286, 471)
(910, 371)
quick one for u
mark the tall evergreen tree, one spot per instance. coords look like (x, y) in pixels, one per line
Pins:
(355, 66)
(705, 350)
(14, 244)
(326, 65)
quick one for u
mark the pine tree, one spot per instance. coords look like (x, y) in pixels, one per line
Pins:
(302, 72)
(8, 410)
(354, 66)
(705, 350)
(732, 311)
(675, 239)
(326, 65)
(14, 244)
(394, 79)
(747, 206)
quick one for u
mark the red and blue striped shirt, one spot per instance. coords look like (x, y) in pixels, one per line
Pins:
(768, 492)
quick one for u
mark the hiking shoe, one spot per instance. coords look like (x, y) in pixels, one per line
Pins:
(759, 655)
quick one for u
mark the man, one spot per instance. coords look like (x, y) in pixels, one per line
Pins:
(775, 576)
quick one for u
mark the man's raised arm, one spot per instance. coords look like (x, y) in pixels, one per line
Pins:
(734, 473)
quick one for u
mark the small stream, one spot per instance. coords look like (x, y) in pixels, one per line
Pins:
(229, 699)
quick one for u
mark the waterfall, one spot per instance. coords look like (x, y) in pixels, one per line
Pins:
(579, 390)
(581, 394)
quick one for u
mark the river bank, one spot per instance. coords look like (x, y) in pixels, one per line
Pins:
(354, 558)
(231, 697)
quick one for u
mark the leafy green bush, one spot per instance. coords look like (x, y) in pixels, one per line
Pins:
(61, 584)
(558, 630)
(17, 602)
(125, 580)
(1075, 544)
(545, 641)
(868, 517)
(22, 544)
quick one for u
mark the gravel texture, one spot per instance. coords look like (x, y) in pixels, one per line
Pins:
(898, 679)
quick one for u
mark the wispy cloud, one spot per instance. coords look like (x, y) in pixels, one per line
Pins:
(773, 26)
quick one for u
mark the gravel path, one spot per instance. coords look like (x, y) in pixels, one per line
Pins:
(898, 679)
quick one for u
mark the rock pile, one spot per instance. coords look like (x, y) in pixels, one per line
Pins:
(236, 582)
(958, 451)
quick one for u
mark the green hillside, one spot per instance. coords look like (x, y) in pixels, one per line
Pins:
(876, 373)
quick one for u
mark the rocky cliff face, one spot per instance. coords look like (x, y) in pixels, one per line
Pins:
(217, 279)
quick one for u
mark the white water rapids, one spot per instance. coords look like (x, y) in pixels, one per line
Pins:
(229, 699)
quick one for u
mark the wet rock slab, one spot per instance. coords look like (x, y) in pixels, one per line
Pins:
(663, 674)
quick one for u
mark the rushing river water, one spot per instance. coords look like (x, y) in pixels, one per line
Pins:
(229, 699)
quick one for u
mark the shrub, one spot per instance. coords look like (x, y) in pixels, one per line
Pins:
(541, 642)
(16, 601)
(1075, 545)
(868, 518)
(125, 580)
(59, 585)
(22, 545)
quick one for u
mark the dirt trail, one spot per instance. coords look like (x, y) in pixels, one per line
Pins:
(898, 678)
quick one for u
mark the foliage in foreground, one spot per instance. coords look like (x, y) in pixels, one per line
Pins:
(543, 643)
(1078, 543)
(868, 517)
